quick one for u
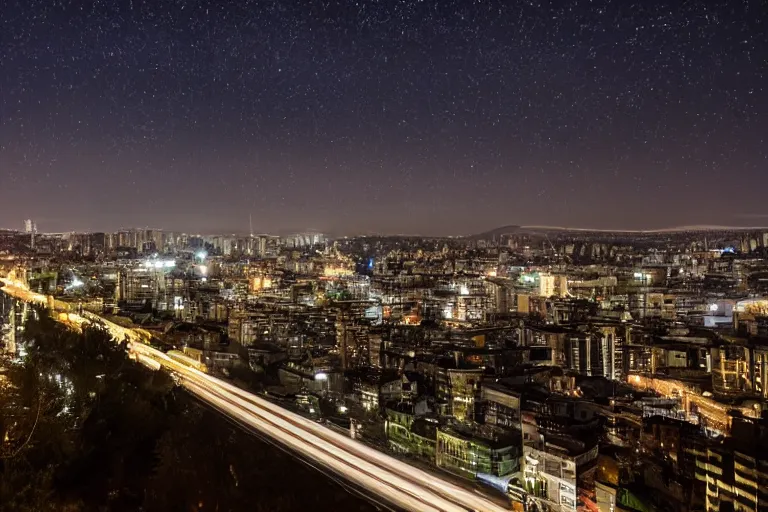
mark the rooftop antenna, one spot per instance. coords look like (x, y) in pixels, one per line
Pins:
(250, 222)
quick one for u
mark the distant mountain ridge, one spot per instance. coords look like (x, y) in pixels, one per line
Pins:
(504, 230)
(512, 229)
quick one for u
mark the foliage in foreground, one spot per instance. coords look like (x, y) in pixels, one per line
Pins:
(85, 428)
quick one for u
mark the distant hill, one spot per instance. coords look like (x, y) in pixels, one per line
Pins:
(675, 229)
(510, 230)
(495, 233)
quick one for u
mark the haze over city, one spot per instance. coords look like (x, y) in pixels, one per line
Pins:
(392, 117)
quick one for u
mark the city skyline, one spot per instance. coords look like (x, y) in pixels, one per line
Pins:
(388, 117)
(533, 366)
(418, 255)
(334, 234)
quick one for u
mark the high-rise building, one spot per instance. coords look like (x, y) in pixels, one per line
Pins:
(30, 228)
(260, 245)
(598, 354)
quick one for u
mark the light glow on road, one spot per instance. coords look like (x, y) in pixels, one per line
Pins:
(391, 480)
(387, 467)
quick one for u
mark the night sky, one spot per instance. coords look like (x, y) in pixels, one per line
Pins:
(432, 117)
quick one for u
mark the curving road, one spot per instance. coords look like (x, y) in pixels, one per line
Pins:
(388, 478)
(384, 477)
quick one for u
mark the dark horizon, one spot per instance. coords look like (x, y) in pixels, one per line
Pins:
(337, 234)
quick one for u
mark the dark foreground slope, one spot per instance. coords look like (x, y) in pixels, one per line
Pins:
(85, 428)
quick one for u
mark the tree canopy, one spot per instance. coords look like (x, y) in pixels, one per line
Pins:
(85, 428)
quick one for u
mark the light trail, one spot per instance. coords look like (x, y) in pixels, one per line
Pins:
(382, 460)
(317, 435)
(393, 489)
(386, 477)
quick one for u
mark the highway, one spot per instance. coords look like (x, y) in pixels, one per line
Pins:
(20, 291)
(65, 315)
(388, 478)
(383, 477)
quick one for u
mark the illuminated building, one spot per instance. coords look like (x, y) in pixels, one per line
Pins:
(471, 455)
(224, 245)
(213, 309)
(602, 286)
(217, 359)
(554, 470)
(567, 311)
(265, 354)
(759, 370)
(262, 245)
(367, 394)
(337, 271)
(194, 336)
(408, 431)
(546, 336)
(501, 295)
(730, 370)
(151, 283)
(546, 285)
(715, 415)
(260, 283)
(318, 379)
(595, 353)
(543, 284)
(677, 441)
(352, 340)
(401, 388)
(749, 317)
(500, 406)
(610, 498)
(639, 358)
(245, 328)
(127, 239)
(717, 470)
(736, 471)
(457, 390)
(303, 240)
(13, 317)
(31, 229)
(375, 344)
(96, 243)
(140, 286)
